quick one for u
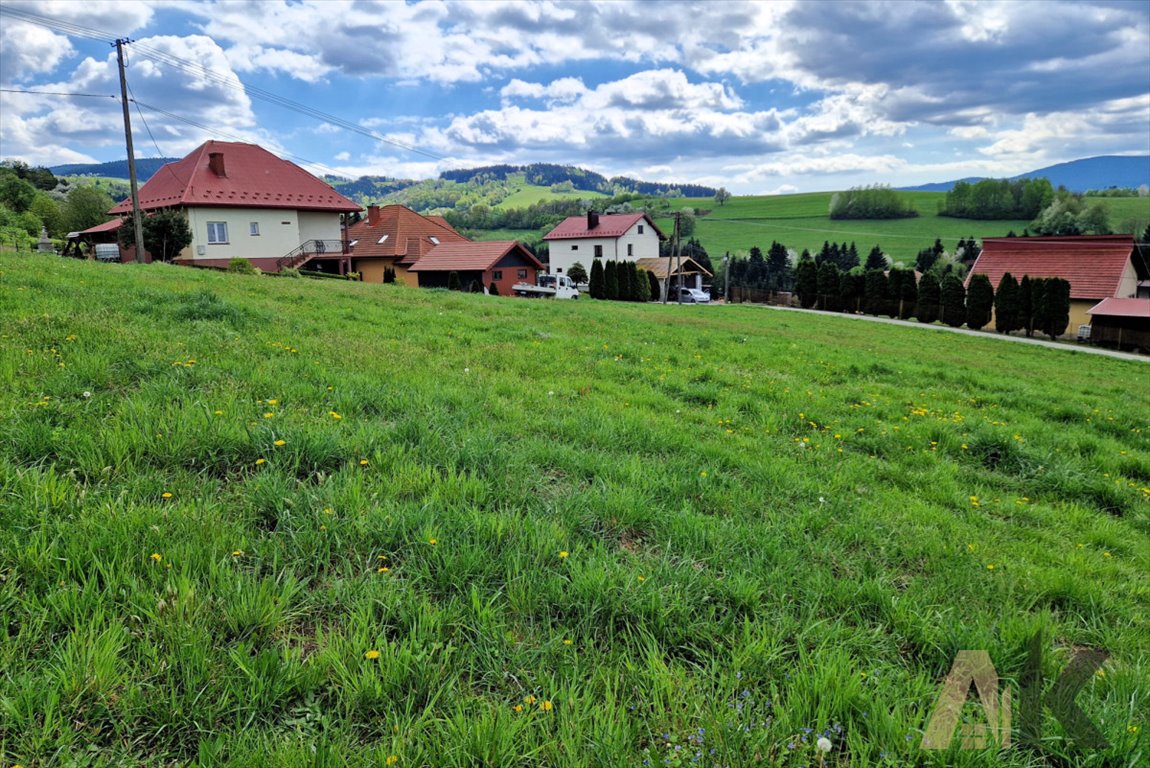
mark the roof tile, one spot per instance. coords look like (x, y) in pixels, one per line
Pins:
(1093, 265)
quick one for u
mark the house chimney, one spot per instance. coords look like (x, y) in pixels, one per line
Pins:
(372, 215)
(592, 219)
(216, 163)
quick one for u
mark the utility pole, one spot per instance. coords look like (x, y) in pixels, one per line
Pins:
(679, 257)
(727, 278)
(137, 219)
(670, 260)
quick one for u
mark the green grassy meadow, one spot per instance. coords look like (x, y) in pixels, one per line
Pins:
(529, 194)
(801, 221)
(252, 521)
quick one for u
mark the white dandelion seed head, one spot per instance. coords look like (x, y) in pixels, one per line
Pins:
(87, 393)
(824, 744)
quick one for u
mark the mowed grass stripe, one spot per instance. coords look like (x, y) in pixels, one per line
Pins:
(772, 522)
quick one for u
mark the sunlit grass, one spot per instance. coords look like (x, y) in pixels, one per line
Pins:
(223, 495)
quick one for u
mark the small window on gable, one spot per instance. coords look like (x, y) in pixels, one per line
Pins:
(434, 240)
(286, 222)
(522, 274)
(254, 229)
(640, 229)
(630, 249)
(497, 274)
(574, 247)
(382, 240)
(598, 251)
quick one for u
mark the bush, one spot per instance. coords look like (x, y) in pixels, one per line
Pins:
(874, 292)
(289, 272)
(1057, 296)
(242, 267)
(929, 295)
(611, 281)
(1006, 305)
(807, 282)
(875, 202)
(979, 302)
(597, 287)
(642, 285)
(493, 289)
(828, 286)
(388, 275)
(654, 288)
(1025, 319)
(453, 281)
(577, 273)
(953, 300)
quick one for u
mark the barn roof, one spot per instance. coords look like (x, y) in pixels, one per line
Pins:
(234, 175)
(1112, 307)
(607, 225)
(1092, 264)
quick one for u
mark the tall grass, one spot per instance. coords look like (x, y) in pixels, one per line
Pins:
(250, 522)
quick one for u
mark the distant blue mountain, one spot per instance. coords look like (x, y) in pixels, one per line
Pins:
(1077, 175)
(146, 167)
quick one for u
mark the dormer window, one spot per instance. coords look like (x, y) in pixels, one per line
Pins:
(434, 240)
(382, 240)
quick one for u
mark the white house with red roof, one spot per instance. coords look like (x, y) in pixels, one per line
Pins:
(609, 237)
(1096, 266)
(241, 201)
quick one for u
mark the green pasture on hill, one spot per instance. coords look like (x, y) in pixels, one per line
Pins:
(802, 221)
(529, 194)
(254, 521)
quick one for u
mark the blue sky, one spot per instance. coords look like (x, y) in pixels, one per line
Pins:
(760, 97)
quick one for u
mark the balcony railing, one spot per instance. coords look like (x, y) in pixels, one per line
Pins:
(310, 250)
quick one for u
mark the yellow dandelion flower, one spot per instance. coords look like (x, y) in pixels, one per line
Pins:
(704, 472)
(273, 402)
(156, 556)
(990, 566)
(166, 495)
(382, 569)
(218, 413)
(1132, 729)
(323, 527)
(238, 553)
(545, 706)
(328, 511)
(363, 462)
(381, 557)
(371, 655)
(260, 460)
(279, 443)
(269, 415)
(642, 578)
(334, 415)
(391, 760)
(1106, 554)
(563, 554)
(1101, 673)
(568, 641)
(518, 708)
(433, 542)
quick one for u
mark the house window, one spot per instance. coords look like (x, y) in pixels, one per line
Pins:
(522, 274)
(630, 249)
(254, 229)
(598, 251)
(434, 240)
(382, 240)
(574, 247)
(497, 274)
(640, 229)
(217, 232)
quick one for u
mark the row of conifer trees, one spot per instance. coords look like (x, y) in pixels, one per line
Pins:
(622, 281)
(1034, 304)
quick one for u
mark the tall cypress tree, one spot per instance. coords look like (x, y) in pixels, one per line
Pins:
(1040, 315)
(828, 286)
(1057, 307)
(851, 286)
(655, 288)
(875, 259)
(643, 285)
(807, 282)
(894, 281)
(929, 298)
(623, 274)
(1026, 305)
(979, 301)
(874, 292)
(1006, 305)
(597, 287)
(611, 281)
(908, 295)
(633, 279)
(953, 300)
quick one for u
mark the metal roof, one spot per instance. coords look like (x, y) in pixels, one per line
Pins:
(1121, 308)
(609, 225)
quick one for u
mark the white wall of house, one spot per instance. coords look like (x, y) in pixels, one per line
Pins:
(256, 233)
(629, 246)
(1128, 283)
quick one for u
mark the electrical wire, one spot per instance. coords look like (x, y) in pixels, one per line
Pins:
(60, 93)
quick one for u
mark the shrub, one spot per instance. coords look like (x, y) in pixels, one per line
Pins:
(611, 281)
(851, 287)
(642, 285)
(242, 267)
(493, 289)
(654, 288)
(290, 272)
(1025, 320)
(807, 282)
(1057, 298)
(388, 275)
(597, 288)
(907, 295)
(874, 292)
(929, 294)
(453, 281)
(953, 301)
(979, 302)
(828, 286)
(874, 202)
(1006, 305)
(577, 273)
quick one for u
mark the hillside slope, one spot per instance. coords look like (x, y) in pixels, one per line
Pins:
(265, 521)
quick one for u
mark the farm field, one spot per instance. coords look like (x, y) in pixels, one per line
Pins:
(801, 221)
(529, 194)
(255, 521)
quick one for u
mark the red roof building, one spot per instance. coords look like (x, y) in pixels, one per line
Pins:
(607, 237)
(1096, 266)
(503, 262)
(242, 201)
(394, 237)
(1121, 323)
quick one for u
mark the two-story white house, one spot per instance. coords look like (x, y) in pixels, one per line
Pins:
(242, 201)
(609, 237)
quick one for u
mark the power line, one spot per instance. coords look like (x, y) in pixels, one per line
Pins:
(194, 68)
(59, 93)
